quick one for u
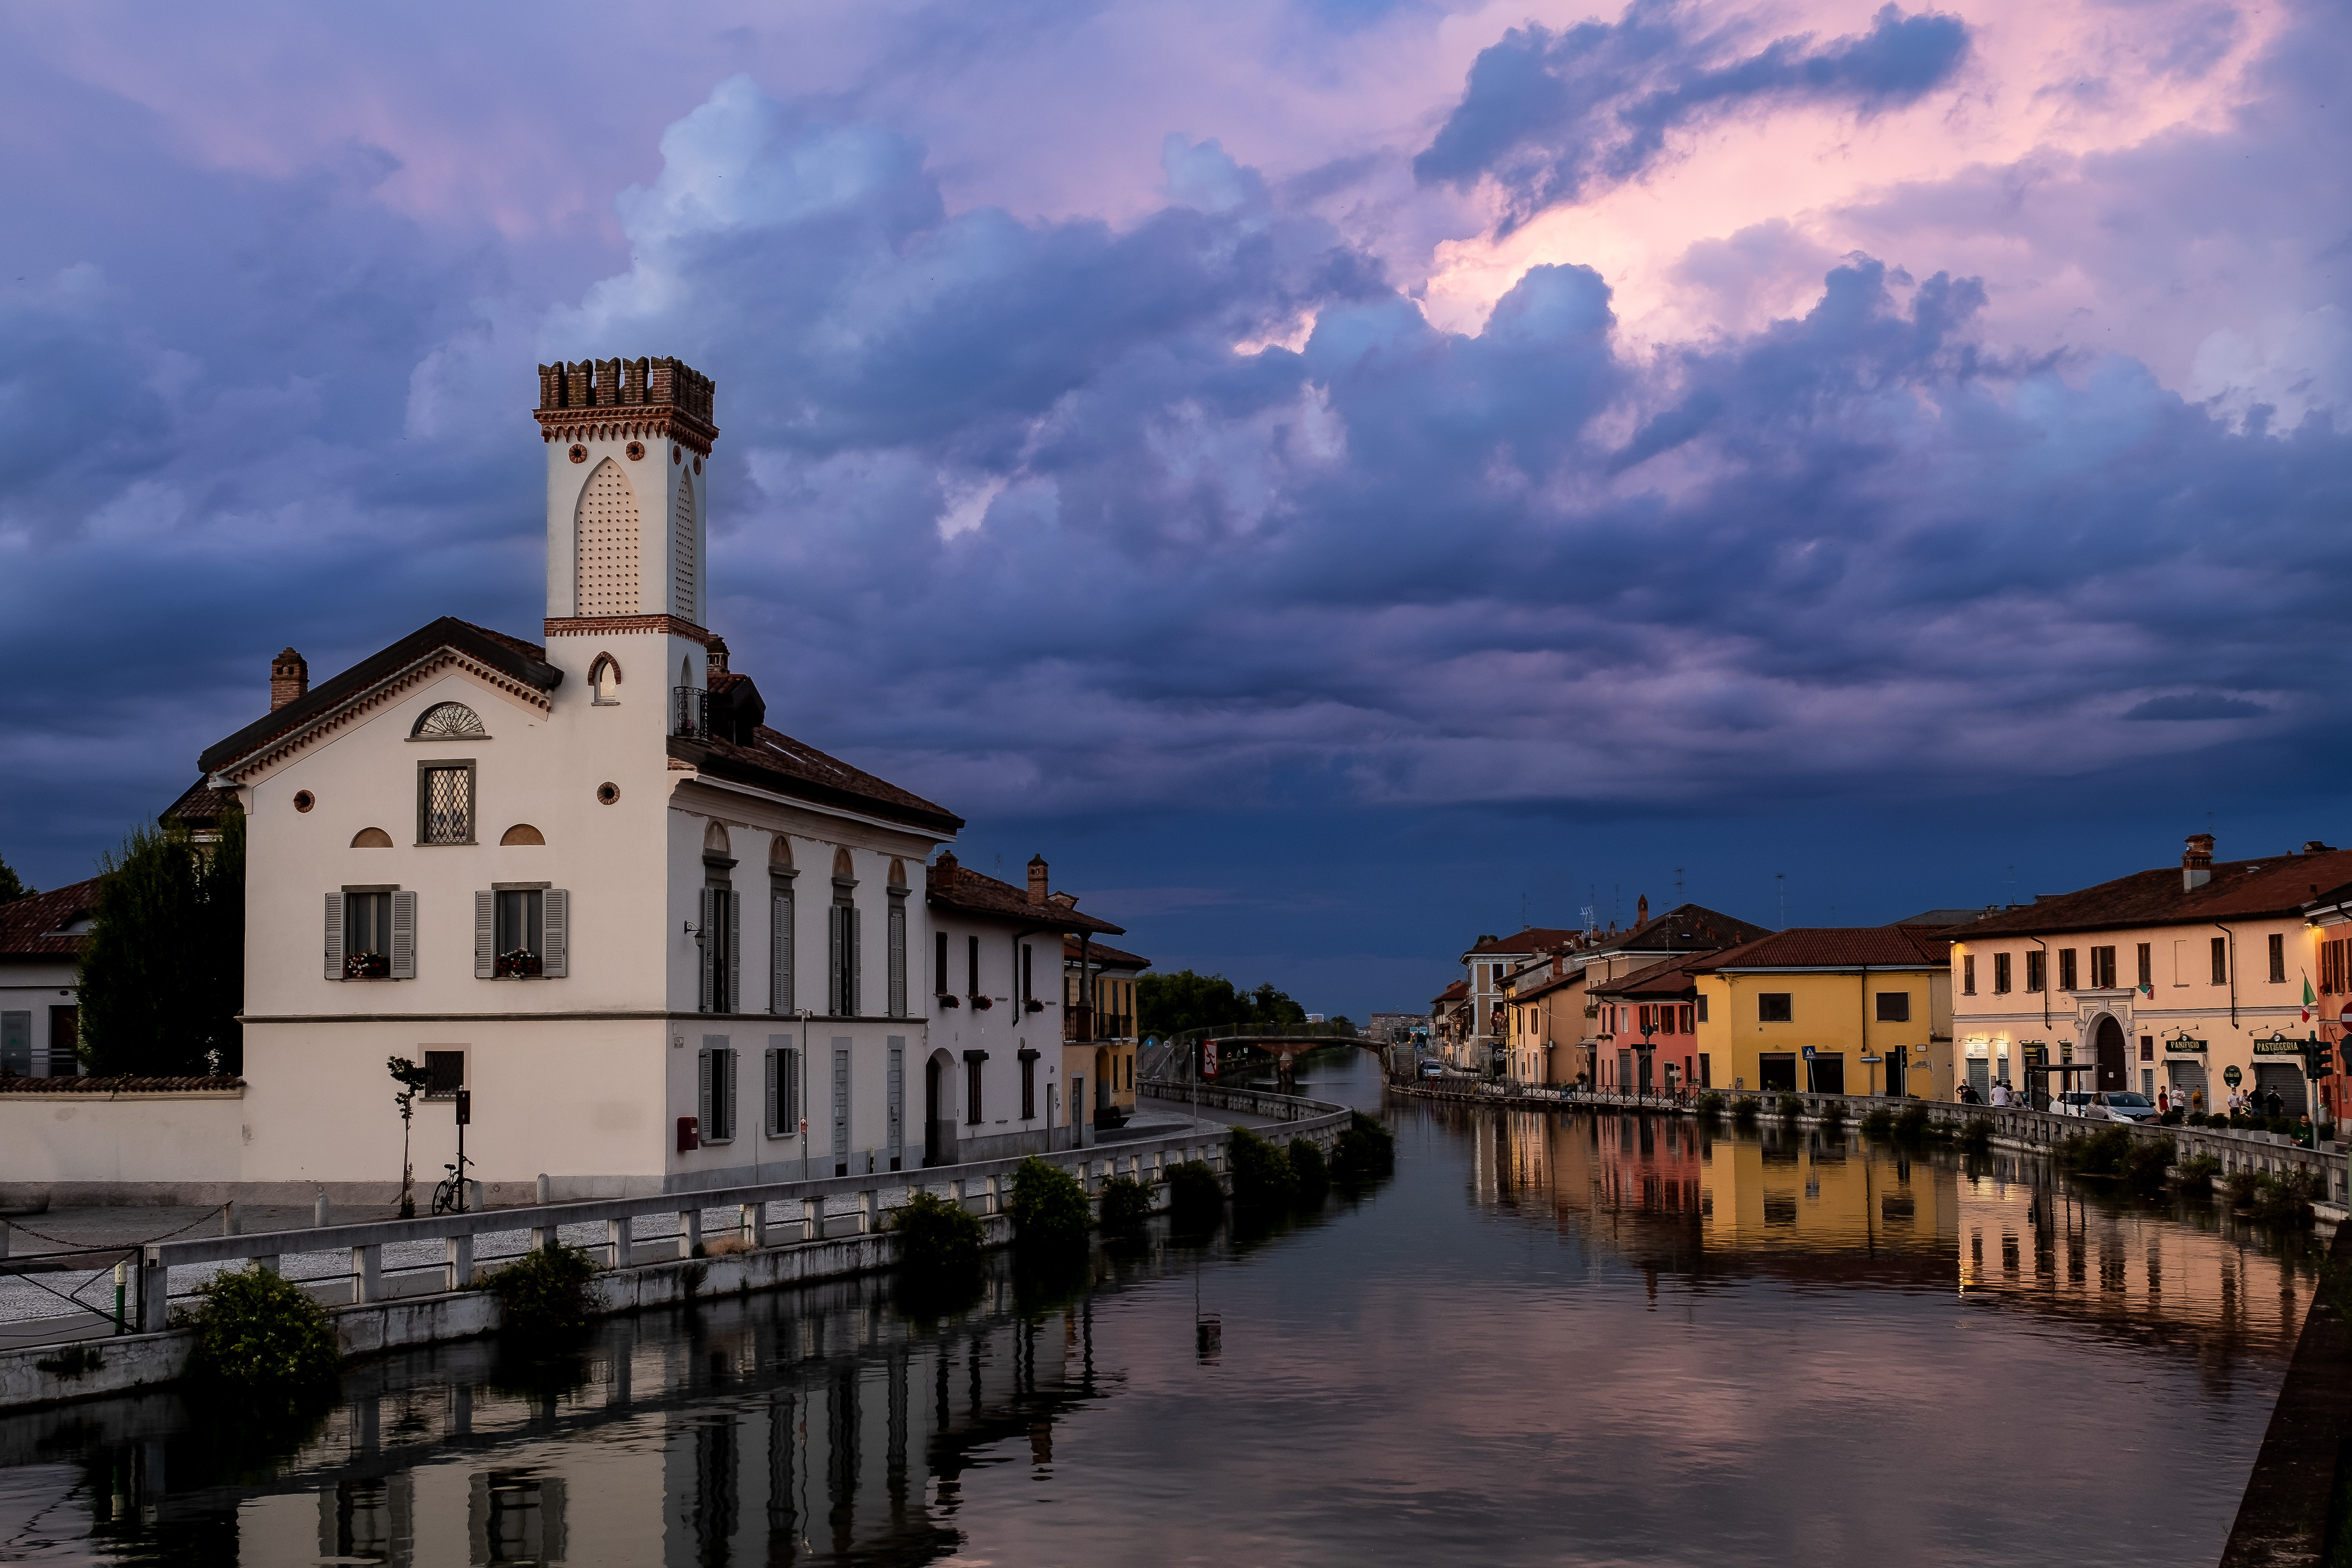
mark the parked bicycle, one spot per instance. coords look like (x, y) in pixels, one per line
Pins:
(449, 1197)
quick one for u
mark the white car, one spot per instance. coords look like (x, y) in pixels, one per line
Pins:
(2122, 1105)
(2075, 1102)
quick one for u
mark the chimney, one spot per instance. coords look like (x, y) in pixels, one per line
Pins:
(946, 864)
(1642, 910)
(1037, 881)
(715, 656)
(2196, 861)
(289, 680)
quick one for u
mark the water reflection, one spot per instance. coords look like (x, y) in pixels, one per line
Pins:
(2005, 1231)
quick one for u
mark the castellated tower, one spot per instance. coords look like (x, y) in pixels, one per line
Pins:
(628, 582)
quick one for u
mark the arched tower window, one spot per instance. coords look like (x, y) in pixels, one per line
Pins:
(684, 568)
(605, 530)
(605, 681)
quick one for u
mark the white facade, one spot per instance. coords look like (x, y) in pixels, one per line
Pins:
(732, 937)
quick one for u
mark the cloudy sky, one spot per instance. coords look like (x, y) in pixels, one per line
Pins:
(1334, 476)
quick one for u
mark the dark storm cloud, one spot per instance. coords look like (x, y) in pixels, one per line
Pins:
(1550, 115)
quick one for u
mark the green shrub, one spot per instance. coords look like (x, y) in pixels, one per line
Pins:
(1308, 1173)
(2239, 1187)
(1709, 1104)
(2197, 1174)
(2174, 1117)
(1366, 1150)
(2283, 1200)
(2197, 1119)
(1262, 1177)
(1047, 1205)
(1911, 1125)
(1878, 1123)
(1976, 1137)
(2147, 1161)
(1743, 1112)
(1195, 1199)
(259, 1331)
(545, 1288)
(1125, 1204)
(937, 1235)
(2106, 1153)
(1791, 1107)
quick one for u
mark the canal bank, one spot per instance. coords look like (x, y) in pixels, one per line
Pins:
(401, 1284)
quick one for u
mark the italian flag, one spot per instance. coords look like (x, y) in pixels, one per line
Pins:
(2308, 998)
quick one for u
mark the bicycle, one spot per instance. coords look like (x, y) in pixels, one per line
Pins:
(449, 1197)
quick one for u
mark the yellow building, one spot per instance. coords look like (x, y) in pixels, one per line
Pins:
(1544, 1008)
(2167, 981)
(1099, 1034)
(1828, 1010)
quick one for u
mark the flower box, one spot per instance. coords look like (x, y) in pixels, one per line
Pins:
(518, 964)
(366, 966)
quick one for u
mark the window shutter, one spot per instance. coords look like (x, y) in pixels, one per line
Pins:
(856, 993)
(707, 951)
(779, 953)
(403, 936)
(556, 934)
(702, 1094)
(334, 936)
(834, 962)
(729, 1076)
(767, 1058)
(486, 936)
(733, 1001)
(897, 939)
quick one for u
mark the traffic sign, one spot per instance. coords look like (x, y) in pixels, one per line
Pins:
(2344, 1017)
(1808, 1053)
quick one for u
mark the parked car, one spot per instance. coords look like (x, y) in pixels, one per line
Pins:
(1433, 1068)
(2123, 1105)
(2074, 1102)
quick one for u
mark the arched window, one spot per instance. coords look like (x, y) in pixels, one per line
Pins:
(714, 840)
(604, 541)
(605, 681)
(450, 721)
(684, 568)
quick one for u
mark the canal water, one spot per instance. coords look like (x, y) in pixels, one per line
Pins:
(1550, 1337)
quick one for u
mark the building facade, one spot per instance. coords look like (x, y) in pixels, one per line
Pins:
(1836, 1010)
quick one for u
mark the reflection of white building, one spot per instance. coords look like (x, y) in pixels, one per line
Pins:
(662, 944)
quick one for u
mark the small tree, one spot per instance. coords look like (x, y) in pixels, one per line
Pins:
(12, 886)
(412, 1079)
(163, 975)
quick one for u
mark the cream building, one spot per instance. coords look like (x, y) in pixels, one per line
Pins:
(659, 944)
(2165, 980)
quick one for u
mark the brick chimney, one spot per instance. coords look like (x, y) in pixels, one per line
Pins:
(2196, 861)
(1039, 884)
(1642, 910)
(289, 680)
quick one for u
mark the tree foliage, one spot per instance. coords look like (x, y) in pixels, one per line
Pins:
(12, 886)
(258, 1329)
(1047, 1203)
(163, 975)
(1170, 1003)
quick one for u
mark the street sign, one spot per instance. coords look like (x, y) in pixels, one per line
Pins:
(1870, 1061)
(2231, 1076)
(1808, 1053)
(2344, 1017)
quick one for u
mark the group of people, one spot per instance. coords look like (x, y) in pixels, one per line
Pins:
(2000, 1091)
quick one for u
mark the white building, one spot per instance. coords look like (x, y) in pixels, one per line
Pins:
(41, 938)
(659, 944)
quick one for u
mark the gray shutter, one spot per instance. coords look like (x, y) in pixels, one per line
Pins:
(702, 1091)
(707, 958)
(841, 1096)
(780, 950)
(556, 934)
(894, 1114)
(856, 998)
(403, 936)
(898, 940)
(832, 959)
(732, 1101)
(769, 1057)
(486, 936)
(334, 936)
(734, 999)
(788, 1081)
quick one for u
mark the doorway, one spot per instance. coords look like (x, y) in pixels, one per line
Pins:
(2109, 1045)
(1829, 1072)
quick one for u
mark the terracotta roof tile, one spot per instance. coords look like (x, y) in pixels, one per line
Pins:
(1454, 993)
(28, 927)
(964, 891)
(1102, 952)
(2240, 890)
(70, 1085)
(794, 768)
(1669, 978)
(1834, 947)
(1533, 939)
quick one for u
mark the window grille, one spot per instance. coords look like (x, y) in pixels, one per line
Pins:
(445, 1074)
(444, 813)
(445, 720)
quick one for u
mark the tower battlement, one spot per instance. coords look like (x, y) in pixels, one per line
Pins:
(662, 397)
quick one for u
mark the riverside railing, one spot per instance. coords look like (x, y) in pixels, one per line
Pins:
(369, 1262)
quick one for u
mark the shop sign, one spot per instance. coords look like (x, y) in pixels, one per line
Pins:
(2278, 1047)
(2183, 1047)
(2231, 1076)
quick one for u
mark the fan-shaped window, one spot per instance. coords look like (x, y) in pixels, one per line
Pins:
(449, 719)
(605, 531)
(371, 838)
(605, 681)
(522, 833)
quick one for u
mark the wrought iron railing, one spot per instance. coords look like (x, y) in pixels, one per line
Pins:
(691, 713)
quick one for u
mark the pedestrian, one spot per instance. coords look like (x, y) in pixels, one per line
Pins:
(2163, 1102)
(2278, 1105)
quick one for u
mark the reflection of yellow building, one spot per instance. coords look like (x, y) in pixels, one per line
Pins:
(1874, 1004)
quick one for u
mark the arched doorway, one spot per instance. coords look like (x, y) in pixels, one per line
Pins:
(938, 1110)
(2109, 1046)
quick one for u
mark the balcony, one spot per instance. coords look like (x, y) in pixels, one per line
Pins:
(691, 711)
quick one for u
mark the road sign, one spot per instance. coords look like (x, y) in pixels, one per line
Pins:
(1808, 1053)
(2231, 1076)
(2344, 1017)
(1870, 1061)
